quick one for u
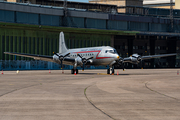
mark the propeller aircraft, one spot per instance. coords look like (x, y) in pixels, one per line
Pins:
(97, 56)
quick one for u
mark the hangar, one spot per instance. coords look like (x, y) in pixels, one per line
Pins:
(34, 29)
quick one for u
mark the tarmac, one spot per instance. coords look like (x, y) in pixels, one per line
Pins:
(134, 94)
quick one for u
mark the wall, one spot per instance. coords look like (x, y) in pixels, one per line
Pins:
(49, 16)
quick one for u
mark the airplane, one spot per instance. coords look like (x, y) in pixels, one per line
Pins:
(96, 56)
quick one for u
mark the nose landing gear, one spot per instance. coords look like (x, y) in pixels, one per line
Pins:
(73, 71)
(110, 70)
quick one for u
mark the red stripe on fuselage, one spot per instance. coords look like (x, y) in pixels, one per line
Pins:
(96, 55)
(88, 51)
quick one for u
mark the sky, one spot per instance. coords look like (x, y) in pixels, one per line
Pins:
(145, 1)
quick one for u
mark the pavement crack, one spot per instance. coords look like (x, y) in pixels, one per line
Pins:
(90, 101)
(17, 90)
(159, 92)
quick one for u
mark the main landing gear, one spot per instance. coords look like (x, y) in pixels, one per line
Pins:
(73, 71)
(110, 70)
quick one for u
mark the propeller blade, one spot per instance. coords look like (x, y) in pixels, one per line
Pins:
(90, 58)
(67, 55)
(79, 56)
(61, 64)
(83, 67)
(141, 64)
(123, 66)
(55, 54)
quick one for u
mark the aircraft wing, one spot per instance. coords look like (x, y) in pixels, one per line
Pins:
(138, 57)
(36, 57)
(157, 56)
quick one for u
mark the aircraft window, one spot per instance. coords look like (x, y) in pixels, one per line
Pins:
(111, 51)
(115, 51)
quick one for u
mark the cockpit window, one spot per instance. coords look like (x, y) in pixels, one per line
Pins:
(111, 51)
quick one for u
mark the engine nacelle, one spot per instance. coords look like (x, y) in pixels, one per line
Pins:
(138, 57)
(56, 58)
(78, 60)
(134, 60)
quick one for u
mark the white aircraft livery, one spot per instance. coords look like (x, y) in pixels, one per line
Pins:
(105, 56)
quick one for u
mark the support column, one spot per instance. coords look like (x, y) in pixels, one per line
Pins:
(130, 41)
(171, 49)
(152, 40)
(85, 22)
(112, 40)
(130, 45)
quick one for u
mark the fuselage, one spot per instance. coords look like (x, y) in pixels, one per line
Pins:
(104, 55)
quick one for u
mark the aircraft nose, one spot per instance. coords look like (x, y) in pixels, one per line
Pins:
(117, 57)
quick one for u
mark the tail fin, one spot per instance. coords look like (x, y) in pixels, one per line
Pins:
(62, 44)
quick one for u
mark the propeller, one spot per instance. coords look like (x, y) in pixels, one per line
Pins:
(141, 64)
(84, 60)
(139, 59)
(61, 58)
(134, 59)
(123, 66)
(121, 62)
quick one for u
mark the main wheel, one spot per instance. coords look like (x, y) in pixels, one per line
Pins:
(77, 71)
(108, 71)
(72, 71)
(112, 71)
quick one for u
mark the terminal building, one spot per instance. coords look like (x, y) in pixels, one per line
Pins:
(34, 29)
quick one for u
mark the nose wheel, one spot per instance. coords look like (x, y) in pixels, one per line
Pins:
(110, 70)
(73, 71)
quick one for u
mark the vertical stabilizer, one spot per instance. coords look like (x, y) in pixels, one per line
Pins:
(62, 44)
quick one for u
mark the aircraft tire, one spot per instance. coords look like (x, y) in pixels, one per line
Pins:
(77, 71)
(112, 71)
(72, 71)
(108, 71)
